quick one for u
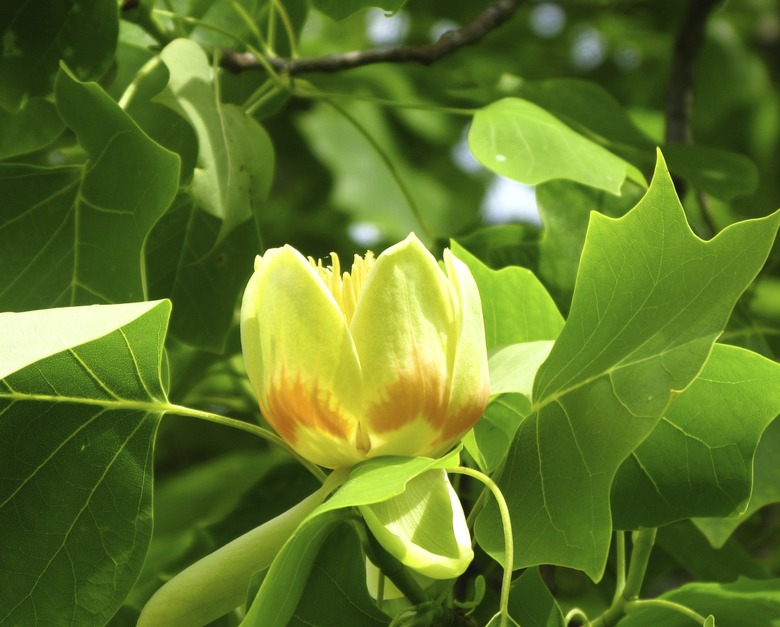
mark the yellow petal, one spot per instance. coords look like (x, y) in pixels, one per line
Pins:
(301, 360)
(469, 370)
(404, 329)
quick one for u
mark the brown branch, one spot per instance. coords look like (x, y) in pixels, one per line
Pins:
(491, 18)
(679, 99)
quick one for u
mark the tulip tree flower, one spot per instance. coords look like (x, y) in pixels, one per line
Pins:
(388, 359)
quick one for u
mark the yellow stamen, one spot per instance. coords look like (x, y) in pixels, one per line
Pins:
(347, 287)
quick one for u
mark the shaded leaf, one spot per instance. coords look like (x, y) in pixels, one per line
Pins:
(532, 604)
(699, 459)
(203, 275)
(336, 593)
(82, 33)
(744, 602)
(35, 126)
(766, 488)
(723, 174)
(74, 234)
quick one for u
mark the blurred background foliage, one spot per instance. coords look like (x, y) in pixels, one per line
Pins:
(358, 158)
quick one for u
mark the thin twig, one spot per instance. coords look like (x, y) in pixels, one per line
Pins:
(679, 100)
(491, 18)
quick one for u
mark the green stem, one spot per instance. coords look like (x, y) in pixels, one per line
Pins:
(640, 555)
(132, 88)
(288, 27)
(620, 554)
(506, 522)
(266, 434)
(388, 163)
(576, 613)
(639, 604)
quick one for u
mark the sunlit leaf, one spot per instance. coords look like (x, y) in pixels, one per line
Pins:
(515, 306)
(80, 401)
(235, 156)
(649, 302)
(522, 141)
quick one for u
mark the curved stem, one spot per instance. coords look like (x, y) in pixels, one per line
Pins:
(633, 606)
(506, 522)
(132, 88)
(576, 613)
(261, 432)
(388, 163)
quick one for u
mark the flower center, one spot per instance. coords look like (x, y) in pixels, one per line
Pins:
(346, 288)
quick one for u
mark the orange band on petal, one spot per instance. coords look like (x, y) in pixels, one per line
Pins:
(290, 404)
(410, 398)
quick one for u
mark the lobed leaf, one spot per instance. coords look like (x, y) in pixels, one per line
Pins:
(74, 234)
(650, 300)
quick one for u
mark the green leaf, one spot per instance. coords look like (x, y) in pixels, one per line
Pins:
(74, 234)
(286, 579)
(532, 604)
(203, 275)
(766, 488)
(699, 459)
(592, 111)
(341, 9)
(744, 602)
(80, 401)
(336, 592)
(82, 33)
(235, 155)
(369, 482)
(691, 551)
(565, 211)
(521, 141)
(34, 127)
(512, 372)
(721, 173)
(515, 306)
(649, 302)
